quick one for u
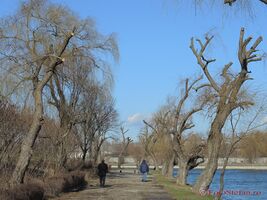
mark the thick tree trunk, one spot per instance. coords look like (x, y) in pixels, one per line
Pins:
(164, 170)
(170, 167)
(167, 167)
(202, 184)
(183, 173)
(28, 143)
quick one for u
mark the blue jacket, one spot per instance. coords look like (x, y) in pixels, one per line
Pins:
(144, 167)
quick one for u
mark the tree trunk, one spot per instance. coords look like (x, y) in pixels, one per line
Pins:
(203, 182)
(28, 143)
(155, 162)
(164, 170)
(183, 173)
(219, 194)
(62, 156)
(170, 167)
(167, 167)
(120, 161)
(84, 151)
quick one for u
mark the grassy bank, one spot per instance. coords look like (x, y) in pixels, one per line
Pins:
(178, 192)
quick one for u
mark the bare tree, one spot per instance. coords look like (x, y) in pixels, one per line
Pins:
(149, 142)
(73, 78)
(125, 143)
(34, 42)
(98, 118)
(182, 122)
(227, 97)
(174, 122)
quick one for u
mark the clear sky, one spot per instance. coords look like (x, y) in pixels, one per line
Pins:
(153, 38)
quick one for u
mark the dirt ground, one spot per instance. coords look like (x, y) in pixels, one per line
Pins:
(120, 186)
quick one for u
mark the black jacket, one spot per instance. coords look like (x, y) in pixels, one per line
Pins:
(102, 169)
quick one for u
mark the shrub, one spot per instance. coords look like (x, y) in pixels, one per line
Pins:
(28, 191)
(51, 187)
(64, 183)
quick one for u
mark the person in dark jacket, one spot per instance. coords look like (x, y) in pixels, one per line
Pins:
(102, 171)
(144, 169)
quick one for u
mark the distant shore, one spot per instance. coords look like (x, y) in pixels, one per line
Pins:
(254, 167)
(241, 167)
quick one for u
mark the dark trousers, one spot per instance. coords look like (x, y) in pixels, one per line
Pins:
(102, 180)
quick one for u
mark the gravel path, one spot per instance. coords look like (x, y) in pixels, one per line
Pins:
(120, 186)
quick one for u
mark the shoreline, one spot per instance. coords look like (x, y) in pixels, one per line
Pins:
(239, 167)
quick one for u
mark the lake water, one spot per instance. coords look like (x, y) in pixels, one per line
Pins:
(239, 184)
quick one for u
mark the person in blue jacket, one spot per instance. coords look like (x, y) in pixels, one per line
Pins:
(144, 169)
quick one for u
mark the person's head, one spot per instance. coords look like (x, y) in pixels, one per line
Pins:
(103, 161)
(144, 161)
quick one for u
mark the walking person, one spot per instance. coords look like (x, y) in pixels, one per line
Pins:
(102, 171)
(144, 169)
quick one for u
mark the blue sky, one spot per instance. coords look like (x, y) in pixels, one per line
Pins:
(153, 38)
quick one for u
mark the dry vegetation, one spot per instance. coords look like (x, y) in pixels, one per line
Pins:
(55, 68)
(55, 100)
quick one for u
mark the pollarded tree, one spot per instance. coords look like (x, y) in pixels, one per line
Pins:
(227, 95)
(34, 42)
(173, 123)
(181, 122)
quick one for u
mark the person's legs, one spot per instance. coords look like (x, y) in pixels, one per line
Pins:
(145, 176)
(100, 180)
(103, 180)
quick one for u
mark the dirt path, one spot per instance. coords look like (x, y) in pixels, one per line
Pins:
(120, 186)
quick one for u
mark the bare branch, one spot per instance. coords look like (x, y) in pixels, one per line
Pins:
(243, 104)
(225, 70)
(149, 125)
(263, 1)
(204, 62)
(246, 56)
(229, 2)
(202, 86)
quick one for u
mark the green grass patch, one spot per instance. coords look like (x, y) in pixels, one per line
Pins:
(179, 192)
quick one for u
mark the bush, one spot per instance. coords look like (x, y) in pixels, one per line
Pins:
(64, 183)
(78, 164)
(87, 165)
(28, 191)
(51, 187)
(74, 164)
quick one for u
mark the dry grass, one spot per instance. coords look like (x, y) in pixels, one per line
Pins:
(35, 189)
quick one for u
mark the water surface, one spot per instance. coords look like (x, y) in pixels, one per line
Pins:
(239, 184)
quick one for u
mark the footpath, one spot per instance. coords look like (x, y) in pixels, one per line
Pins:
(120, 186)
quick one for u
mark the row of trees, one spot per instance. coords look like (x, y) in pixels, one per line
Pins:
(224, 99)
(60, 61)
